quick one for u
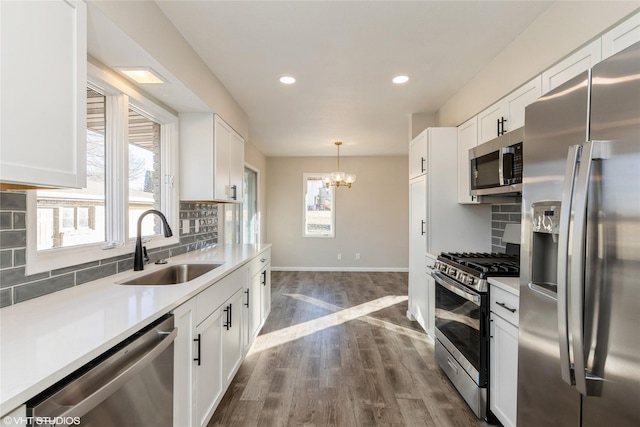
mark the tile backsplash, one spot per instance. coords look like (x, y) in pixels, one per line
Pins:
(198, 228)
(502, 215)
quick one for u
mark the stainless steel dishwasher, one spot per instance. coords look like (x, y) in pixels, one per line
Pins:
(130, 385)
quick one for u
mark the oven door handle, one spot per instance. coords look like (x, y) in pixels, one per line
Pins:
(456, 288)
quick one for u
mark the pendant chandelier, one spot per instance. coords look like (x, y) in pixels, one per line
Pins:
(339, 179)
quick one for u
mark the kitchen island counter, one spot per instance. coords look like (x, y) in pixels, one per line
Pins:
(48, 338)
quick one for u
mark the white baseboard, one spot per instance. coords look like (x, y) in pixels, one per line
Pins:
(346, 269)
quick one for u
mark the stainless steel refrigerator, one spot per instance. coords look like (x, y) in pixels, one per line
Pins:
(579, 338)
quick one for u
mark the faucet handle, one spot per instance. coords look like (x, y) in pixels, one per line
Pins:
(145, 256)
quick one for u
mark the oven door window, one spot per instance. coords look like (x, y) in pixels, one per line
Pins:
(459, 320)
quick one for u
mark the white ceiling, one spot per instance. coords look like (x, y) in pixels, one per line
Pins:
(343, 55)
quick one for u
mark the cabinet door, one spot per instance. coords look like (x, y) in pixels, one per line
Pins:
(255, 309)
(488, 122)
(571, 66)
(265, 294)
(418, 155)
(197, 154)
(183, 364)
(503, 371)
(467, 139)
(222, 145)
(417, 247)
(236, 166)
(621, 37)
(516, 102)
(43, 75)
(232, 326)
(207, 375)
(247, 306)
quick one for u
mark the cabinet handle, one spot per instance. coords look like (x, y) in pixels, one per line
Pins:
(491, 329)
(234, 192)
(247, 303)
(500, 122)
(227, 323)
(264, 278)
(422, 230)
(422, 164)
(506, 307)
(197, 359)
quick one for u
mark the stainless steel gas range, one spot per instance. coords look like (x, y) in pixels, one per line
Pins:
(462, 319)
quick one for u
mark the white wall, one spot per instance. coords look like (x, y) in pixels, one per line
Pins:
(147, 26)
(561, 29)
(371, 217)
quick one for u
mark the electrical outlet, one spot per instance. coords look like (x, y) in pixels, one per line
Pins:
(339, 256)
(358, 255)
(197, 225)
(185, 226)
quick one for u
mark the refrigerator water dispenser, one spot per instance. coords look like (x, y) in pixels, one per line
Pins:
(544, 254)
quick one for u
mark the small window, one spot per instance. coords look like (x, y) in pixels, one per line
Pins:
(319, 212)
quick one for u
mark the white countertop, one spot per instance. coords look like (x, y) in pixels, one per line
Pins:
(47, 338)
(508, 284)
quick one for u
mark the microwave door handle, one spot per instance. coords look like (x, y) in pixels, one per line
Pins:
(573, 158)
(590, 151)
(502, 170)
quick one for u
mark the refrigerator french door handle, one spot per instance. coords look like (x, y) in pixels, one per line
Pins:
(590, 151)
(573, 158)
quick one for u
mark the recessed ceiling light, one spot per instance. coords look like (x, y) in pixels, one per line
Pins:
(142, 75)
(287, 80)
(400, 79)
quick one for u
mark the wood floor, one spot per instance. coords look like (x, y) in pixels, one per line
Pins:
(338, 350)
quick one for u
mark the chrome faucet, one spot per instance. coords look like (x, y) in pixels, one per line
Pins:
(140, 254)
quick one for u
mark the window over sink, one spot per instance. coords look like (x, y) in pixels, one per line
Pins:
(131, 164)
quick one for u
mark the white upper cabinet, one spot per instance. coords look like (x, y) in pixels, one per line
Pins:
(516, 101)
(490, 122)
(508, 113)
(571, 66)
(467, 139)
(621, 37)
(43, 91)
(211, 159)
(418, 156)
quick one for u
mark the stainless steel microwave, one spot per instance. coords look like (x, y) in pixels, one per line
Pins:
(496, 165)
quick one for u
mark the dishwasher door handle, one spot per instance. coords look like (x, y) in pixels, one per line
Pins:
(94, 399)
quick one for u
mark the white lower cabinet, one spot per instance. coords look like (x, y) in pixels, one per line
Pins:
(231, 327)
(503, 358)
(265, 294)
(260, 288)
(215, 332)
(183, 366)
(207, 374)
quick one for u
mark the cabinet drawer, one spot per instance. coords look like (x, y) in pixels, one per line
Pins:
(211, 298)
(259, 262)
(505, 304)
